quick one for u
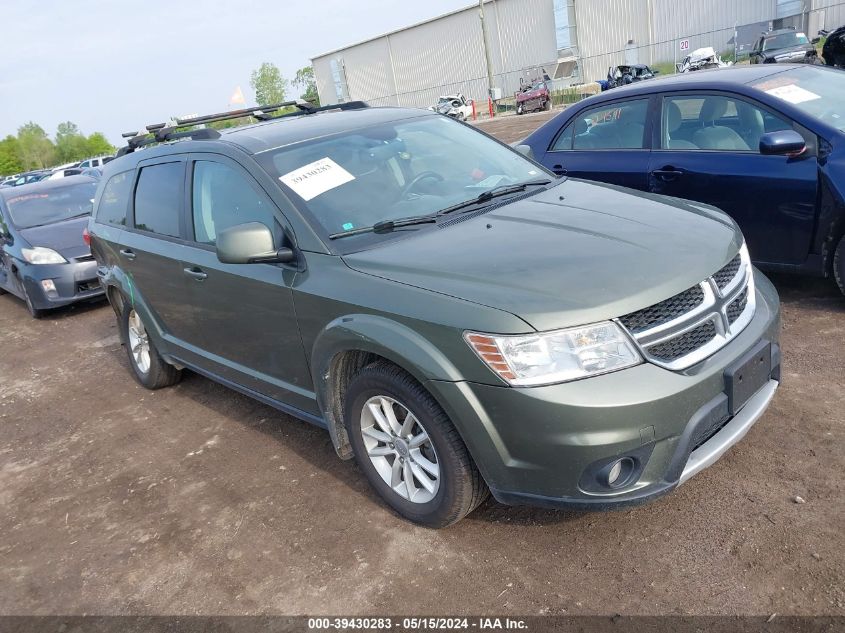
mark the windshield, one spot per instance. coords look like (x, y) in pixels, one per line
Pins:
(393, 171)
(53, 205)
(816, 91)
(784, 40)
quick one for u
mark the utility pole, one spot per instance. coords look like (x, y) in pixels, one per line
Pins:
(486, 49)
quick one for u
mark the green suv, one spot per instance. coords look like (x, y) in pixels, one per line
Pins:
(457, 318)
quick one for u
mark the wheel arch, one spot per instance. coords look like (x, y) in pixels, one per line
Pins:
(350, 343)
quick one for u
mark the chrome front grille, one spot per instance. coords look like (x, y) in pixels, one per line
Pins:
(690, 326)
(665, 311)
(728, 273)
(680, 346)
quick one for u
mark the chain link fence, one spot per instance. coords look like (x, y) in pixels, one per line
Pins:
(584, 76)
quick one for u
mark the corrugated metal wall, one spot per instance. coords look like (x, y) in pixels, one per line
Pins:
(830, 14)
(657, 26)
(604, 29)
(412, 67)
(710, 23)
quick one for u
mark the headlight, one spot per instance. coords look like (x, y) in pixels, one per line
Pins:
(41, 255)
(560, 356)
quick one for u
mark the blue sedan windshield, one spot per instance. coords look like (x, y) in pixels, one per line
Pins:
(816, 91)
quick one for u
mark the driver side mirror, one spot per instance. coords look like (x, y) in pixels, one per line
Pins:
(784, 143)
(251, 243)
(815, 40)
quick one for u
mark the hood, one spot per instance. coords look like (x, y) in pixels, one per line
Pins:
(577, 253)
(63, 237)
(531, 94)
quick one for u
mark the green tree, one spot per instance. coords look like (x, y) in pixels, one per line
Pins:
(71, 144)
(37, 151)
(305, 81)
(269, 85)
(98, 145)
(10, 156)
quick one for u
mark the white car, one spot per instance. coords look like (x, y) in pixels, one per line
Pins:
(99, 161)
(702, 59)
(455, 106)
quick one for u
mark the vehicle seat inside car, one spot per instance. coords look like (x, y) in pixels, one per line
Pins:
(753, 126)
(227, 200)
(674, 119)
(717, 137)
(618, 133)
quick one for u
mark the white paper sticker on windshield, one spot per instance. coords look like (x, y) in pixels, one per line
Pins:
(316, 178)
(793, 94)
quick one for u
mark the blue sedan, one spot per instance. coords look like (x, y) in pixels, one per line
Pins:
(766, 144)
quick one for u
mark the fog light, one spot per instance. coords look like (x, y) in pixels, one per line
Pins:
(48, 285)
(615, 471)
(619, 472)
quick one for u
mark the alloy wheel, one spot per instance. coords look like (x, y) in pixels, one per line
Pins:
(400, 449)
(139, 342)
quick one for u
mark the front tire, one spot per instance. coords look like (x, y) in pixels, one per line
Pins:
(408, 448)
(148, 367)
(839, 265)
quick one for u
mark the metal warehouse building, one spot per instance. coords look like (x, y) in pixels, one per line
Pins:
(573, 41)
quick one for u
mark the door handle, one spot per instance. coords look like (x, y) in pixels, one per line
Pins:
(196, 273)
(128, 253)
(668, 174)
(560, 170)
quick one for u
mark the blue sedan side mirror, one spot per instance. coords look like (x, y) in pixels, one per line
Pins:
(784, 143)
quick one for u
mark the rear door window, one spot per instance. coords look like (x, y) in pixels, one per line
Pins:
(158, 199)
(617, 126)
(115, 199)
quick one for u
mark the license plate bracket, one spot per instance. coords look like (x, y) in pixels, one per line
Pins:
(748, 375)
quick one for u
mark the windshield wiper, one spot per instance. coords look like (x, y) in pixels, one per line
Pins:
(490, 194)
(387, 226)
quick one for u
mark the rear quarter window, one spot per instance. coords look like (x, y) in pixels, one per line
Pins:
(115, 200)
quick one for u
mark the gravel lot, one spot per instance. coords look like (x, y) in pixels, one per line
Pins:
(116, 500)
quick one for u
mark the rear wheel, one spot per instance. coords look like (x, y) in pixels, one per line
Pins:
(408, 448)
(147, 365)
(839, 264)
(547, 105)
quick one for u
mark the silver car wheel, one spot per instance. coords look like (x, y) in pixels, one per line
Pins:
(400, 449)
(139, 342)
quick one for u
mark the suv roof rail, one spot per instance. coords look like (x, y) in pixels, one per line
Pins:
(161, 132)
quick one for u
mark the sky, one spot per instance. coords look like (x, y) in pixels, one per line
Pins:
(113, 66)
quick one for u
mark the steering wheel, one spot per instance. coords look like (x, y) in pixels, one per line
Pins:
(418, 179)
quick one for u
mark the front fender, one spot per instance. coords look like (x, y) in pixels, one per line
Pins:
(385, 337)
(378, 335)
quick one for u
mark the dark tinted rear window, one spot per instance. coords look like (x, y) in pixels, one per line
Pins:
(158, 198)
(115, 199)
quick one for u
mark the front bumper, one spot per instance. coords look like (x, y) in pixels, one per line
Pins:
(74, 281)
(545, 445)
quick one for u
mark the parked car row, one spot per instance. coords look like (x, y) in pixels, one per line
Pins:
(92, 167)
(462, 319)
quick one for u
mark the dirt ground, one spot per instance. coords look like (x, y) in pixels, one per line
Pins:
(197, 500)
